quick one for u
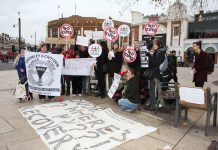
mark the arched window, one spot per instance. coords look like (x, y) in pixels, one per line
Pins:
(210, 50)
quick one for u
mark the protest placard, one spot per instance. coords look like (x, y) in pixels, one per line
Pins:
(84, 41)
(44, 73)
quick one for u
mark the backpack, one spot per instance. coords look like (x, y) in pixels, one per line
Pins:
(164, 66)
(210, 67)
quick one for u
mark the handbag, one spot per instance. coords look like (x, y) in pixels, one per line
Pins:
(20, 91)
(148, 74)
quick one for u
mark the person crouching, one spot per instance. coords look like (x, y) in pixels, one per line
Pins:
(131, 95)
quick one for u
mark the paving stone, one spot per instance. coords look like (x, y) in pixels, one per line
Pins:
(35, 144)
(18, 123)
(4, 126)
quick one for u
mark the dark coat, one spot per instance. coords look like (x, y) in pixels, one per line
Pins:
(132, 90)
(172, 64)
(115, 64)
(200, 65)
(155, 61)
(101, 60)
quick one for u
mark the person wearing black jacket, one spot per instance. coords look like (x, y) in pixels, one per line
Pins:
(137, 63)
(172, 64)
(100, 72)
(156, 58)
(115, 58)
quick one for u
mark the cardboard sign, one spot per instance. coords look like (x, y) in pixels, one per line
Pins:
(81, 125)
(108, 23)
(114, 85)
(44, 73)
(151, 28)
(95, 50)
(88, 33)
(144, 58)
(123, 30)
(110, 34)
(84, 41)
(98, 35)
(129, 54)
(66, 30)
(79, 67)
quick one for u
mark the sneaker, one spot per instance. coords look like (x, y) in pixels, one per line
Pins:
(74, 94)
(43, 100)
(80, 95)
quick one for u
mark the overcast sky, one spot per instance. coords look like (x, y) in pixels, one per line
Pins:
(35, 14)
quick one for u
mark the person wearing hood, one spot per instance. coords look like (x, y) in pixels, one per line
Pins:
(156, 58)
(131, 96)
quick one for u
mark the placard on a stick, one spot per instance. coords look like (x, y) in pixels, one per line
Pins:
(66, 30)
(107, 24)
(129, 54)
(151, 28)
(123, 30)
(95, 50)
(110, 34)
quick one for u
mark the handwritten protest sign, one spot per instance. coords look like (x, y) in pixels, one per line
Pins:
(129, 54)
(114, 85)
(81, 125)
(98, 35)
(95, 50)
(110, 34)
(123, 30)
(81, 66)
(44, 73)
(84, 41)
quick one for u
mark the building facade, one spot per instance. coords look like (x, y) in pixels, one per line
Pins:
(80, 25)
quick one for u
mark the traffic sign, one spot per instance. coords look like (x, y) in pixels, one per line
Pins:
(110, 34)
(129, 54)
(123, 30)
(151, 28)
(66, 30)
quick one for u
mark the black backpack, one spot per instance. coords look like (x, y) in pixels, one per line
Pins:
(210, 68)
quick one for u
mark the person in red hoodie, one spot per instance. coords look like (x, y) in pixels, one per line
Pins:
(200, 65)
(68, 54)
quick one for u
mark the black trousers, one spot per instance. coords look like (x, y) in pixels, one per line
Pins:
(101, 82)
(77, 84)
(62, 85)
(199, 84)
(43, 97)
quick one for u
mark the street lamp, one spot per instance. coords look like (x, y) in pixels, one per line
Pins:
(19, 28)
(35, 41)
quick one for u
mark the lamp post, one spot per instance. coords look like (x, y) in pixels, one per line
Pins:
(19, 30)
(35, 41)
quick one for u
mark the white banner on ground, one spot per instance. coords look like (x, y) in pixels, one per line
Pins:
(80, 66)
(114, 85)
(81, 125)
(98, 35)
(84, 41)
(44, 73)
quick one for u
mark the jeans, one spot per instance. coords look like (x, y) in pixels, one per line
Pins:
(126, 105)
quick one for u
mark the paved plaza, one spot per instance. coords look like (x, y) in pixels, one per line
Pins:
(16, 133)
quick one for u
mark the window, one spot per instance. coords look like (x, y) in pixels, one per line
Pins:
(176, 31)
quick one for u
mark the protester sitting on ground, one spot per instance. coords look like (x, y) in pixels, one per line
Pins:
(43, 49)
(20, 66)
(131, 96)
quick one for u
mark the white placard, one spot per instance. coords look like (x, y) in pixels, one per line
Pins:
(151, 28)
(114, 85)
(123, 30)
(81, 125)
(44, 73)
(95, 50)
(98, 35)
(107, 24)
(79, 66)
(84, 41)
(110, 34)
(88, 33)
(144, 57)
(66, 30)
(192, 95)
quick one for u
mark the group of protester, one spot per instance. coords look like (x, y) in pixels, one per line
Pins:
(135, 84)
